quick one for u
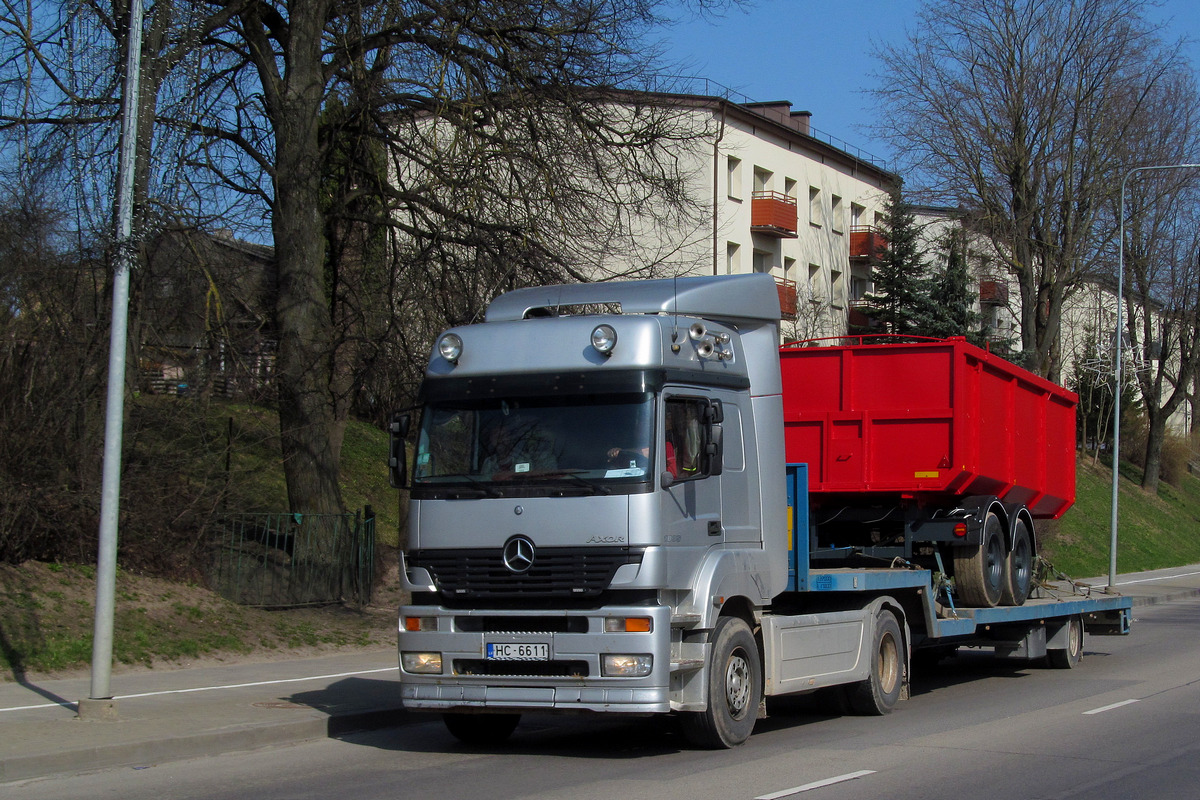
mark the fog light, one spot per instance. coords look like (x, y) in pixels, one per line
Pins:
(604, 339)
(422, 663)
(628, 625)
(627, 666)
(450, 346)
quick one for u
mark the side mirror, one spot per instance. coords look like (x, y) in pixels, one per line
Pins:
(397, 456)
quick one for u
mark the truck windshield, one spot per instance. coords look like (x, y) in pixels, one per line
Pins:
(587, 441)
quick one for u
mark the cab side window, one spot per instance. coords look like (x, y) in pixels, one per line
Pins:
(684, 430)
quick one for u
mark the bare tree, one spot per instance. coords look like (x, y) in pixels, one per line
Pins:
(1163, 312)
(481, 133)
(1017, 110)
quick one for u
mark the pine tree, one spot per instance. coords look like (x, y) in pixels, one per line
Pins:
(945, 306)
(897, 270)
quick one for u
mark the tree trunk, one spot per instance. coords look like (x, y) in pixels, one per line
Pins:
(1154, 444)
(306, 413)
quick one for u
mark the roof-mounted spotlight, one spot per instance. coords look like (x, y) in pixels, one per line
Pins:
(450, 346)
(604, 339)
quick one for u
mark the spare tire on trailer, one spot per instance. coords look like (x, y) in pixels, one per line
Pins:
(979, 572)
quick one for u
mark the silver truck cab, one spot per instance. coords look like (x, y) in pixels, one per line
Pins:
(588, 496)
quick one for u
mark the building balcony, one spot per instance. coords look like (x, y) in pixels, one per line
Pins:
(788, 299)
(773, 214)
(866, 242)
(993, 293)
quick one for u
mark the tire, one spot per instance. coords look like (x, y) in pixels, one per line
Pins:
(481, 729)
(1018, 567)
(878, 694)
(1073, 653)
(734, 690)
(979, 572)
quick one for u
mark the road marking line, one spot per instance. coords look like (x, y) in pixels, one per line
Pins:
(1152, 580)
(211, 688)
(1102, 709)
(817, 785)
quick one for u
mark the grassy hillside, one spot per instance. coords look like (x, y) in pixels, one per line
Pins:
(1152, 531)
(235, 447)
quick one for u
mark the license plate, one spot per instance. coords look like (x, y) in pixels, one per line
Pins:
(509, 651)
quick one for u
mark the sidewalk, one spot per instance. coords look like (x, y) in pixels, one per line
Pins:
(185, 713)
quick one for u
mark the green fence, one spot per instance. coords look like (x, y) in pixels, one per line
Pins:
(278, 560)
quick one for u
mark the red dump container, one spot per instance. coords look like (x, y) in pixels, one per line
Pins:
(931, 420)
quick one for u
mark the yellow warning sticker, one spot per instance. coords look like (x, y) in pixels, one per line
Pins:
(933, 474)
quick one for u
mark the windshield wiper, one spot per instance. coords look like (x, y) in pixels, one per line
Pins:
(488, 491)
(571, 475)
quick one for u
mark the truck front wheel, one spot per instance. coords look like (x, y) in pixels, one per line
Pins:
(734, 689)
(481, 729)
(979, 573)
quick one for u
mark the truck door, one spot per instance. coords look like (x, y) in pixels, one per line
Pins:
(691, 504)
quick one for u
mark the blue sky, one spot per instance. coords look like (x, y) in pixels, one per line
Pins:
(818, 54)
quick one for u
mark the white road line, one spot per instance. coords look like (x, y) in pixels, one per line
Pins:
(816, 785)
(1162, 578)
(213, 688)
(1102, 709)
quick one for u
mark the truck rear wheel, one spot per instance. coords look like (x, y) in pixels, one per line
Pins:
(734, 689)
(1018, 567)
(979, 573)
(481, 729)
(1072, 654)
(877, 695)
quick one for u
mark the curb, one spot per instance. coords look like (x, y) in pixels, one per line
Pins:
(205, 743)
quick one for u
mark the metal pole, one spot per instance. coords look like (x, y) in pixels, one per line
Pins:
(1119, 343)
(110, 497)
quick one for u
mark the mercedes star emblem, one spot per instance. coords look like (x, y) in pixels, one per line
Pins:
(518, 554)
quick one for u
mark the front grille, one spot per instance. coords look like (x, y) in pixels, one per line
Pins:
(538, 624)
(532, 669)
(556, 571)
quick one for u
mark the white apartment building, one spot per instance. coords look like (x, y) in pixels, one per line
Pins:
(786, 203)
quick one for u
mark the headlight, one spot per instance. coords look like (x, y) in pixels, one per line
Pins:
(627, 666)
(450, 346)
(604, 339)
(422, 663)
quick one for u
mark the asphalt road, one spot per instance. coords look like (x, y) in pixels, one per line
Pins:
(1123, 724)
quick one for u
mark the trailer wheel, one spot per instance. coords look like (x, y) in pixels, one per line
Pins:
(877, 695)
(734, 689)
(1072, 654)
(979, 573)
(1018, 567)
(481, 729)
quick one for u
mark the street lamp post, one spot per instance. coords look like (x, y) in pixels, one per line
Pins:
(1119, 342)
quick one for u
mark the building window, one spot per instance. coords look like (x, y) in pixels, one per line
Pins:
(837, 292)
(762, 179)
(735, 178)
(762, 261)
(835, 218)
(732, 258)
(857, 215)
(814, 206)
(814, 283)
(789, 269)
(858, 288)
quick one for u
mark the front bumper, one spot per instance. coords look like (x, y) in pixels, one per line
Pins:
(571, 678)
